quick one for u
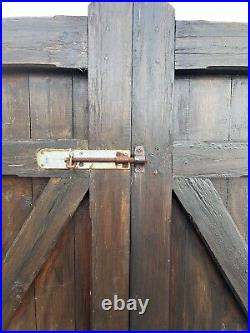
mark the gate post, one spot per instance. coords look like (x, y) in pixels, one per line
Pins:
(153, 80)
(109, 75)
(131, 69)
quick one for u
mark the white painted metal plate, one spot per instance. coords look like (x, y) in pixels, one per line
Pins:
(55, 159)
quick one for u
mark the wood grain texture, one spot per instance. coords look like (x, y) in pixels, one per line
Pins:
(200, 298)
(51, 109)
(215, 225)
(208, 45)
(38, 236)
(81, 219)
(199, 44)
(225, 159)
(19, 156)
(202, 108)
(153, 77)
(82, 224)
(59, 41)
(16, 192)
(238, 130)
(110, 67)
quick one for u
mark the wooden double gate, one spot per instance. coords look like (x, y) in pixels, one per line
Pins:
(176, 233)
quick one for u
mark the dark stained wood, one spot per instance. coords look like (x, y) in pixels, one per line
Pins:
(16, 193)
(208, 45)
(19, 156)
(82, 285)
(200, 298)
(51, 118)
(17, 197)
(59, 41)
(15, 104)
(81, 219)
(110, 68)
(212, 220)
(55, 284)
(153, 77)
(38, 236)
(224, 159)
(80, 107)
(51, 105)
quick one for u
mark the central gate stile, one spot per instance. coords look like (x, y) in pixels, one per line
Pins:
(131, 74)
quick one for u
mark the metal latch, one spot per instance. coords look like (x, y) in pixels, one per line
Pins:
(91, 159)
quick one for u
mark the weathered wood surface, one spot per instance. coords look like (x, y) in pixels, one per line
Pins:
(38, 236)
(58, 110)
(200, 298)
(81, 220)
(215, 225)
(82, 249)
(16, 192)
(224, 159)
(110, 68)
(202, 108)
(199, 44)
(60, 41)
(153, 77)
(238, 188)
(201, 159)
(208, 45)
(19, 156)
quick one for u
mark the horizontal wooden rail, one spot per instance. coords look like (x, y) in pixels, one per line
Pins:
(19, 157)
(217, 228)
(61, 41)
(211, 160)
(210, 45)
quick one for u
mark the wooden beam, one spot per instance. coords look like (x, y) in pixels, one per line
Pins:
(217, 228)
(38, 236)
(211, 45)
(19, 156)
(110, 68)
(190, 159)
(153, 78)
(59, 41)
(202, 159)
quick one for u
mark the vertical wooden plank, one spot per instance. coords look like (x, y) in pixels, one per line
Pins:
(153, 78)
(82, 224)
(200, 298)
(110, 60)
(81, 219)
(209, 108)
(51, 117)
(17, 192)
(238, 131)
(178, 274)
(80, 107)
(181, 109)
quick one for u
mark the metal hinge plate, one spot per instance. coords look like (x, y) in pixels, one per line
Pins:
(63, 159)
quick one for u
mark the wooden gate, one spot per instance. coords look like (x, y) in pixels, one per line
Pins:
(72, 238)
